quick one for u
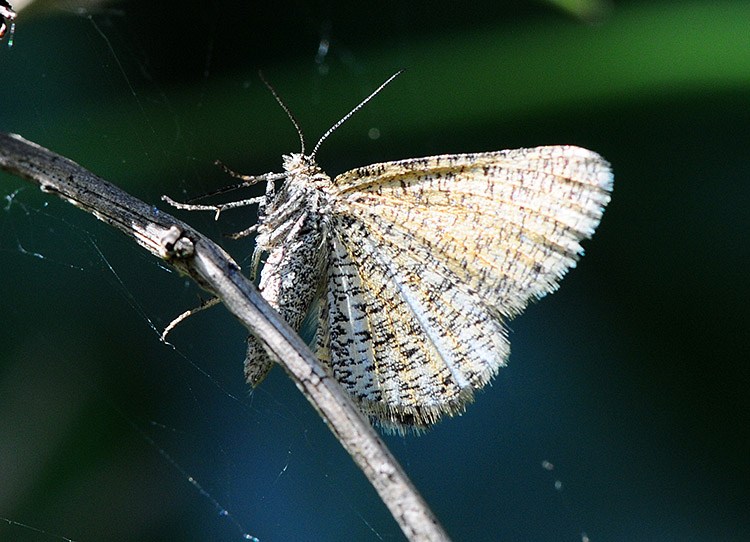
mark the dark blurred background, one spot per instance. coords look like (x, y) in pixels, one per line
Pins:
(631, 382)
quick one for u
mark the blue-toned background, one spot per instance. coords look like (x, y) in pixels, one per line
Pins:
(632, 380)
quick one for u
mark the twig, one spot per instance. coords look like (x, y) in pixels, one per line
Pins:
(214, 270)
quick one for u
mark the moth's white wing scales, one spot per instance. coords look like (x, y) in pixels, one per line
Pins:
(407, 343)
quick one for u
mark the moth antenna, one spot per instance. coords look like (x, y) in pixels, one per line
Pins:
(286, 110)
(348, 115)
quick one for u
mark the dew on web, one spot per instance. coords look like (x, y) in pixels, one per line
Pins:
(29, 253)
(567, 505)
(9, 199)
(285, 467)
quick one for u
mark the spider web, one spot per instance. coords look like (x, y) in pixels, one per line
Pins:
(114, 434)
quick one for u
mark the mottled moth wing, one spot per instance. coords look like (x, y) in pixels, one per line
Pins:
(292, 279)
(428, 257)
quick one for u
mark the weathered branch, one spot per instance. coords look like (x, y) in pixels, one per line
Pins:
(214, 270)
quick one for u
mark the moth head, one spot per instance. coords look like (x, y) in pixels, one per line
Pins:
(298, 164)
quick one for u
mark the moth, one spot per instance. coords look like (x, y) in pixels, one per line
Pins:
(410, 270)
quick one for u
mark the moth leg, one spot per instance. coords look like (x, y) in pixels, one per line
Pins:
(244, 233)
(204, 305)
(218, 209)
